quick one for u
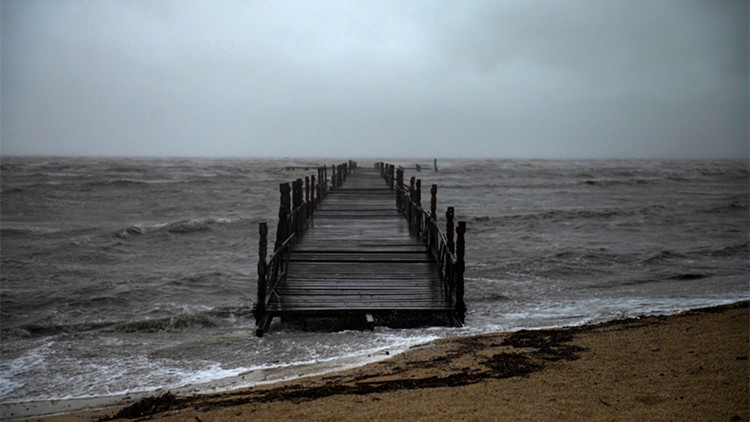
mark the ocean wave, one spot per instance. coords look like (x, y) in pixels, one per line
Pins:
(626, 182)
(742, 249)
(180, 322)
(14, 189)
(183, 321)
(662, 256)
(115, 182)
(587, 214)
(130, 231)
(45, 330)
(12, 231)
(186, 226)
(734, 204)
(665, 276)
(190, 226)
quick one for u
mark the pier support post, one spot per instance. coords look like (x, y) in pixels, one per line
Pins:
(460, 248)
(260, 308)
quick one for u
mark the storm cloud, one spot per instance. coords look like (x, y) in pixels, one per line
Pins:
(505, 79)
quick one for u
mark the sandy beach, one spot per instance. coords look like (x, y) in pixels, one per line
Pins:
(690, 366)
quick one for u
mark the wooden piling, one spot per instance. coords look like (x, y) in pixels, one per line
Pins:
(460, 265)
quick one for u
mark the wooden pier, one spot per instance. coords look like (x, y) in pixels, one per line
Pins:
(359, 249)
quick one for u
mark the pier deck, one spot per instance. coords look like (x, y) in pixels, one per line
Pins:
(359, 258)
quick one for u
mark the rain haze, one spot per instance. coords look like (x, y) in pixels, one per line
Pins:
(463, 79)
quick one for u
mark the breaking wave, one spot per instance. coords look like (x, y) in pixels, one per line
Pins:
(186, 226)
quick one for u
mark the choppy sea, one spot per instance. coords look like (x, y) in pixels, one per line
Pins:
(121, 275)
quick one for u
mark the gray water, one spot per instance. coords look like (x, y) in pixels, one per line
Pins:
(122, 275)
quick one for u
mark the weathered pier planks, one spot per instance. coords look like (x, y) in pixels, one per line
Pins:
(360, 250)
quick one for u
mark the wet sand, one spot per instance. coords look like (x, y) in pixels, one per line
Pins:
(690, 366)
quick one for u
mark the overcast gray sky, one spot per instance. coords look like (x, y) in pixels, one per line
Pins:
(494, 79)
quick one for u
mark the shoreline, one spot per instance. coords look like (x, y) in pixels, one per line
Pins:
(251, 379)
(514, 361)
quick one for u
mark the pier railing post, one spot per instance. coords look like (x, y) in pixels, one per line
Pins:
(433, 202)
(460, 248)
(399, 189)
(323, 182)
(449, 229)
(282, 231)
(418, 214)
(418, 195)
(296, 203)
(307, 195)
(412, 211)
(312, 194)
